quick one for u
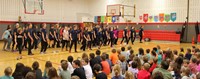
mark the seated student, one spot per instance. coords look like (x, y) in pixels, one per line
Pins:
(186, 74)
(26, 69)
(157, 75)
(93, 60)
(52, 73)
(145, 59)
(130, 60)
(175, 52)
(108, 60)
(105, 65)
(70, 67)
(60, 67)
(79, 70)
(139, 64)
(129, 75)
(163, 70)
(123, 64)
(182, 51)
(144, 73)
(188, 54)
(141, 53)
(31, 75)
(36, 70)
(148, 54)
(18, 73)
(99, 74)
(65, 74)
(154, 65)
(98, 53)
(84, 55)
(133, 68)
(114, 56)
(75, 77)
(193, 65)
(124, 53)
(116, 73)
(128, 50)
(87, 68)
(185, 64)
(7, 72)
(160, 57)
(46, 70)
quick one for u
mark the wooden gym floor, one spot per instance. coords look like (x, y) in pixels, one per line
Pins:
(9, 58)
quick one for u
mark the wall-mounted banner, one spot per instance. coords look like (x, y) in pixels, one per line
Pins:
(109, 19)
(102, 18)
(161, 17)
(167, 17)
(113, 19)
(145, 17)
(140, 17)
(95, 19)
(150, 18)
(99, 19)
(155, 18)
(173, 17)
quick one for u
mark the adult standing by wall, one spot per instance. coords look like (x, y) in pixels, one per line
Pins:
(141, 33)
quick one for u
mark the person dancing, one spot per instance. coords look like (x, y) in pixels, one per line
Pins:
(19, 40)
(5, 38)
(65, 38)
(14, 35)
(100, 37)
(51, 36)
(30, 39)
(84, 39)
(111, 35)
(125, 35)
(132, 35)
(44, 39)
(116, 33)
(141, 33)
(74, 38)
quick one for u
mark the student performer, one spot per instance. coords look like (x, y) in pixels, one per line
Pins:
(30, 39)
(116, 32)
(44, 39)
(51, 36)
(132, 34)
(74, 38)
(14, 35)
(19, 40)
(125, 35)
(84, 39)
(65, 38)
(141, 33)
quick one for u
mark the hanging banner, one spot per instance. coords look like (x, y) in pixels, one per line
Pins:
(161, 17)
(113, 19)
(150, 18)
(95, 19)
(106, 20)
(145, 18)
(102, 18)
(173, 17)
(99, 19)
(109, 19)
(140, 17)
(167, 17)
(155, 18)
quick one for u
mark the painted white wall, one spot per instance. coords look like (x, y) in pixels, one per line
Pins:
(55, 11)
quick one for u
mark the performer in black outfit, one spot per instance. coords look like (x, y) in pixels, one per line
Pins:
(125, 35)
(19, 40)
(35, 37)
(74, 38)
(30, 39)
(51, 36)
(116, 33)
(132, 34)
(25, 37)
(43, 39)
(56, 35)
(84, 39)
(90, 38)
(66, 38)
(141, 33)
(100, 37)
(104, 36)
(111, 35)
(14, 35)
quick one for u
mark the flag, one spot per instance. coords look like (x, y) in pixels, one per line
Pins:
(161, 17)
(167, 17)
(150, 18)
(155, 18)
(145, 18)
(102, 18)
(173, 17)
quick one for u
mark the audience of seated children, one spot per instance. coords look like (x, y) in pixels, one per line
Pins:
(65, 74)
(116, 73)
(144, 73)
(99, 74)
(105, 65)
(87, 68)
(78, 70)
(7, 73)
(37, 70)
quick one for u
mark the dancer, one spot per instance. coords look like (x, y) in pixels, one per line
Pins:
(14, 35)
(30, 39)
(65, 38)
(125, 35)
(111, 35)
(74, 38)
(19, 40)
(35, 37)
(84, 39)
(25, 37)
(132, 35)
(43, 39)
(51, 36)
(116, 33)
(141, 33)
(5, 37)
(90, 38)
(100, 37)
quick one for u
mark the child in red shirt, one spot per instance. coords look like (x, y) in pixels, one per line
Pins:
(144, 73)
(105, 65)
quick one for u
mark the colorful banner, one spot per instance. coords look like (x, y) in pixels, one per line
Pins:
(113, 19)
(140, 17)
(102, 18)
(95, 19)
(173, 17)
(155, 18)
(161, 17)
(99, 19)
(150, 18)
(145, 18)
(109, 19)
(167, 17)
